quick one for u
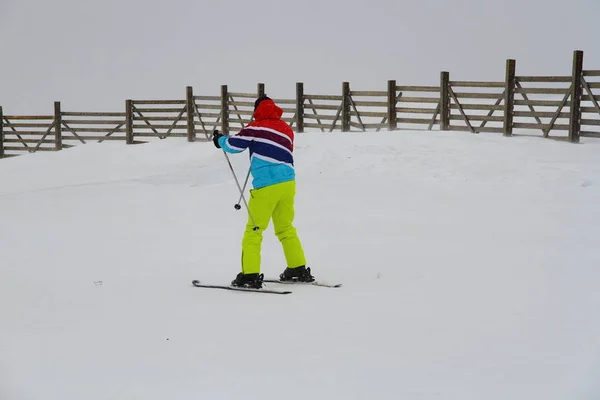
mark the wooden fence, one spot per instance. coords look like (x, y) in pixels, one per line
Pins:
(564, 107)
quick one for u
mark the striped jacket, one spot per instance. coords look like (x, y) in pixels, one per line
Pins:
(270, 141)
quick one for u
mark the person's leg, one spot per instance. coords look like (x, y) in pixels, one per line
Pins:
(283, 219)
(262, 203)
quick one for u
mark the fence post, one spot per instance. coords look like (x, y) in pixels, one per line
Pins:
(346, 107)
(299, 107)
(129, 121)
(260, 91)
(509, 97)
(392, 114)
(1, 133)
(57, 126)
(224, 110)
(444, 101)
(191, 131)
(575, 113)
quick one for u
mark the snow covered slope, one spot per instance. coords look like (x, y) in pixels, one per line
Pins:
(470, 267)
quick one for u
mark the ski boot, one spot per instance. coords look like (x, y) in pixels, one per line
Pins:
(252, 281)
(298, 274)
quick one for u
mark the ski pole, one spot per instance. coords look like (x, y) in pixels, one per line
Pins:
(241, 191)
(237, 205)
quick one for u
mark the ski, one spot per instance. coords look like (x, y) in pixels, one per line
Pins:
(314, 283)
(199, 284)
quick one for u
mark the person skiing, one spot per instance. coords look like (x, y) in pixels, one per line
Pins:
(270, 142)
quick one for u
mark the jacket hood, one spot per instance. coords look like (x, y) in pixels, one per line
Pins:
(267, 109)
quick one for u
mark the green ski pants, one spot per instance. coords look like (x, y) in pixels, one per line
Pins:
(277, 202)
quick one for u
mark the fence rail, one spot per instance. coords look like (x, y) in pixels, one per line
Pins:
(566, 107)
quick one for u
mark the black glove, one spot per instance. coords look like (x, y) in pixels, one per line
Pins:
(216, 136)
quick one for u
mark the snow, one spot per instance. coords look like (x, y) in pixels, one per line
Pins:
(469, 266)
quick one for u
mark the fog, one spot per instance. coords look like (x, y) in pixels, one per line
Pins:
(92, 55)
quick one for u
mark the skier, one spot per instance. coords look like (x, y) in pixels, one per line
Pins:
(270, 141)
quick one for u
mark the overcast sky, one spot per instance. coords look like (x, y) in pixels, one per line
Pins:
(92, 55)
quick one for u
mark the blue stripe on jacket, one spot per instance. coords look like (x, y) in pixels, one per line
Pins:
(269, 163)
